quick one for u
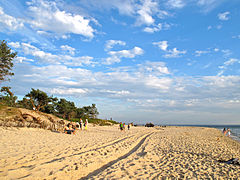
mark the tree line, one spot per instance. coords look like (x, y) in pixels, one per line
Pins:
(39, 101)
(36, 99)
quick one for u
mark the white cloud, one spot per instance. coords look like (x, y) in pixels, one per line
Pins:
(117, 55)
(154, 68)
(223, 16)
(175, 3)
(111, 43)
(47, 17)
(226, 52)
(79, 61)
(127, 53)
(145, 12)
(159, 83)
(199, 53)
(163, 45)
(236, 37)
(156, 28)
(15, 44)
(43, 57)
(230, 61)
(114, 93)
(226, 64)
(208, 5)
(9, 22)
(23, 59)
(209, 27)
(171, 53)
(68, 91)
(68, 49)
(174, 53)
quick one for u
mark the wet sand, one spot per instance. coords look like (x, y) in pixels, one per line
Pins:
(106, 153)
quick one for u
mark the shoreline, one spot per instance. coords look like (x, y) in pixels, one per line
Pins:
(105, 152)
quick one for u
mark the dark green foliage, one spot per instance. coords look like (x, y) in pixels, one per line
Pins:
(6, 61)
(39, 99)
(66, 108)
(7, 97)
(90, 111)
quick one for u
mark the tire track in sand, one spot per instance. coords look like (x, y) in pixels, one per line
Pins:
(109, 164)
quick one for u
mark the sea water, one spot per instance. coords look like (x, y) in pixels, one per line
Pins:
(235, 129)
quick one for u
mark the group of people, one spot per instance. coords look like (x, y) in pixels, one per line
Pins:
(71, 128)
(226, 132)
(80, 125)
(122, 126)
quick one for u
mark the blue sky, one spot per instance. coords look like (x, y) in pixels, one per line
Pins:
(160, 61)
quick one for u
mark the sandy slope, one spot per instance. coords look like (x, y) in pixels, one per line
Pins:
(107, 153)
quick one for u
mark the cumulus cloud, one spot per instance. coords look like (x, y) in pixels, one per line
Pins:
(43, 57)
(145, 12)
(111, 43)
(9, 22)
(163, 45)
(154, 68)
(117, 55)
(159, 83)
(171, 53)
(127, 53)
(223, 16)
(47, 17)
(156, 28)
(68, 49)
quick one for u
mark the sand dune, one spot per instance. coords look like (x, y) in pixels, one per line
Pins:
(107, 153)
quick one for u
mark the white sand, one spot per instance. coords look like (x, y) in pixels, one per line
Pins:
(107, 153)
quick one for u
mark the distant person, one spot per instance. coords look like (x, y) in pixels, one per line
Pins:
(121, 126)
(124, 126)
(81, 124)
(86, 124)
(77, 125)
(69, 129)
(228, 132)
(128, 126)
(224, 131)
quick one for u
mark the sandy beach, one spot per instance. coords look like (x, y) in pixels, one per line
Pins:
(106, 153)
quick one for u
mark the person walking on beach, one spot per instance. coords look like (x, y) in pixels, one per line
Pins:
(121, 126)
(86, 124)
(81, 124)
(128, 126)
